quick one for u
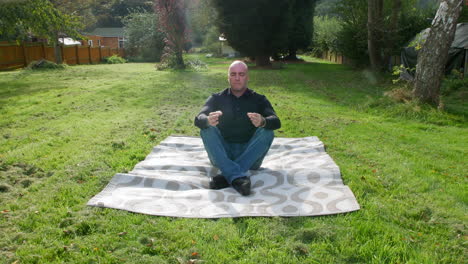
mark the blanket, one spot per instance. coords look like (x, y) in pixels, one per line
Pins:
(297, 178)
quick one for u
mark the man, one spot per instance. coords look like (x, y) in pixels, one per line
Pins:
(237, 130)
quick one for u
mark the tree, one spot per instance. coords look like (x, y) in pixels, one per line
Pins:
(352, 39)
(173, 24)
(434, 53)
(81, 9)
(110, 13)
(300, 33)
(20, 19)
(326, 34)
(388, 30)
(374, 33)
(255, 28)
(144, 41)
(201, 19)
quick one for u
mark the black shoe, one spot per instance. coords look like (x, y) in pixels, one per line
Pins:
(242, 185)
(218, 182)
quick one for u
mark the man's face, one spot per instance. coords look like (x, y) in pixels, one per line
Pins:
(238, 77)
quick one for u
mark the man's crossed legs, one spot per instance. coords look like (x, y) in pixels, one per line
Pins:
(235, 159)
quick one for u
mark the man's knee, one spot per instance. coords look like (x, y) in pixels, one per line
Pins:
(209, 131)
(265, 134)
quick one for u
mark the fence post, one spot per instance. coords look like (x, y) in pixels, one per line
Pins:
(43, 51)
(62, 51)
(100, 54)
(25, 57)
(89, 53)
(77, 55)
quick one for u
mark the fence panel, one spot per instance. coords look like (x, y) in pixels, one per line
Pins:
(83, 54)
(34, 53)
(104, 52)
(95, 55)
(49, 53)
(11, 56)
(69, 55)
(14, 56)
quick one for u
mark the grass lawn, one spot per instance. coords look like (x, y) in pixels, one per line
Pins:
(65, 133)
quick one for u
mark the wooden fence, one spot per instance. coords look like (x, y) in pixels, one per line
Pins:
(340, 59)
(395, 60)
(14, 56)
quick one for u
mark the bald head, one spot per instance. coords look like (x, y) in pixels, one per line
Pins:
(238, 64)
(238, 77)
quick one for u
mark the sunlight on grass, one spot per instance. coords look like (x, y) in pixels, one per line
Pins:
(64, 134)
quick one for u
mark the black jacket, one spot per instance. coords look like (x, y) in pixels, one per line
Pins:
(234, 124)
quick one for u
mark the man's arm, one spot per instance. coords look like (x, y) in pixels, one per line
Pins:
(201, 120)
(272, 121)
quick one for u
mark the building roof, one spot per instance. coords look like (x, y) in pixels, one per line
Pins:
(107, 32)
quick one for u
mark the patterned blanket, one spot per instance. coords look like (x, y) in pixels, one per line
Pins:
(297, 178)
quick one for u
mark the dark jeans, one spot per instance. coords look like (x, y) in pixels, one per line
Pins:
(235, 159)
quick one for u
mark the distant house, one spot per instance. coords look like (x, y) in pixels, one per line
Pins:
(107, 37)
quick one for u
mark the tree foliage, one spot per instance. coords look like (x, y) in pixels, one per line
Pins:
(201, 20)
(353, 39)
(300, 33)
(21, 19)
(81, 9)
(110, 13)
(255, 28)
(172, 23)
(144, 41)
(326, 34)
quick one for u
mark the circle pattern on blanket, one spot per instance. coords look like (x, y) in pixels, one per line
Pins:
(297, 178)
(321, 195)
(289, 209)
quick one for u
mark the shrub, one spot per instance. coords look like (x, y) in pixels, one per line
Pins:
(196, 65)
(168, 60)
(352, 41)
(326, 34)
(45, 65)
(145, 42)
(114, 59)
(453, 83)
(211, 42)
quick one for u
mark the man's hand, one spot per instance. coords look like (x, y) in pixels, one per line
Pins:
(257, 119)
(213, 118)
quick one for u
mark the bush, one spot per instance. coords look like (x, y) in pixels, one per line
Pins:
(211, 42)
(114, 59)
(326, 34)
(352, 41)
(454, 83)
(196, 65)
(145, 43)
(45, 65)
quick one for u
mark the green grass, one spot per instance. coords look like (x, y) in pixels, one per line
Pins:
(65, 133)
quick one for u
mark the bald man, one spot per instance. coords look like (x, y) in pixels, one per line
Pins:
(236, 126)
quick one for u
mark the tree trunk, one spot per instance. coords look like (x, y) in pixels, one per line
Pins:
(434, 53)
(374, 36)
(180, 59)
(57, 50)
(393, 31)
(262, 60)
